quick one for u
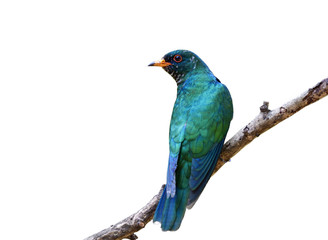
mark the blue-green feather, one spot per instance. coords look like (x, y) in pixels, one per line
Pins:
(201, 171)
(200, 121)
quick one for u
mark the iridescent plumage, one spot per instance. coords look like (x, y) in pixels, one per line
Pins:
(200, 120)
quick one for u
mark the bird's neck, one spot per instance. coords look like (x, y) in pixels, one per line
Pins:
(195, 81)
(181, 78)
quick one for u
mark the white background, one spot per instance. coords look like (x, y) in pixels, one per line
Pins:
(84, 122)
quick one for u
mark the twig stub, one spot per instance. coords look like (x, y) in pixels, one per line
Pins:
(265, 107)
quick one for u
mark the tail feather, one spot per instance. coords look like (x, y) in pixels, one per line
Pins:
(170, 210)
(181, 208)
(159, 210)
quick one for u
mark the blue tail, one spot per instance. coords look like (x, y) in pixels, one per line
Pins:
(170, 211)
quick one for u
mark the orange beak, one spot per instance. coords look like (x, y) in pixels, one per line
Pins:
(161, 63)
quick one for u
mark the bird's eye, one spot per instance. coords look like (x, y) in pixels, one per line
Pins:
(177, 58)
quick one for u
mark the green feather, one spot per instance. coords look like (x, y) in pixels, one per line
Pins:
(199, 123)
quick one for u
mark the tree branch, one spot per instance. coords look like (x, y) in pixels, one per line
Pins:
(263, 122)
(127, 227)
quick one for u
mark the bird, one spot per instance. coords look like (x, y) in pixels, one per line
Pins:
(199, 124)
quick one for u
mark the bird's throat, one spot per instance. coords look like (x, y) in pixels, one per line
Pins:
(178, 77)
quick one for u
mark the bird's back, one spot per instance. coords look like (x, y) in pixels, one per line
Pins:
(199, 123)
(201, 115)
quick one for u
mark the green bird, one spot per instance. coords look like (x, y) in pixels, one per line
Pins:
(199, 124)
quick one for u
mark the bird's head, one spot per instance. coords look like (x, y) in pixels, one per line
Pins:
(179, 63)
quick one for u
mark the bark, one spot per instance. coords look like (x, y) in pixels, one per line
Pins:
(263, 122)
(128, 226)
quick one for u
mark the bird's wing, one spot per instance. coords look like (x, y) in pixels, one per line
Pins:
(207, 146)
(171, 180)
(196, 138)
(201, 171)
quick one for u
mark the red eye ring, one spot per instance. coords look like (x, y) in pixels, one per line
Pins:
(177, 58)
